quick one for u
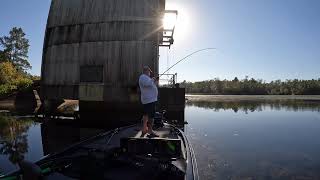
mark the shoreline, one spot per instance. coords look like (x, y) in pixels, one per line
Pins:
(208, 98)
(9, 103)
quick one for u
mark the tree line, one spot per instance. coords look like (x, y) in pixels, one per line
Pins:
(253, 86)
(252, 106)
(14, 62)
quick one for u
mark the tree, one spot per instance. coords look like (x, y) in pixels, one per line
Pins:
(235, 79)
(2, 56)
(11, 79)
(7, 73)
(15, 49)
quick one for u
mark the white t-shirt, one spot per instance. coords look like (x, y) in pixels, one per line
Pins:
(148, 88)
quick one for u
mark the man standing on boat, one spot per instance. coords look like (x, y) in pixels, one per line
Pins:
(149, 97)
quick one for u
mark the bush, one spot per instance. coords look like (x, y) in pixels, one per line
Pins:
(7, 73)
(6, 89)
(12, 80)
(23, 83)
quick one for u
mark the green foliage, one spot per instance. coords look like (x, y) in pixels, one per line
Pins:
(35, 78)
(11, 79)
(14, 62)
(23, 83)
(15, 49)
(6, 89)
(253, 87)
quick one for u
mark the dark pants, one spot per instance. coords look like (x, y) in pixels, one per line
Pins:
(149, 109)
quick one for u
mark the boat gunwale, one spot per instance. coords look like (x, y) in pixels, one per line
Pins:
(192, 169)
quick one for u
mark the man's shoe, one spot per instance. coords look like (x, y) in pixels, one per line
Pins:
(143, 134)
(152, 135)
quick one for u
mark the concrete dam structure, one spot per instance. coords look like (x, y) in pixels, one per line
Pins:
(94, 51)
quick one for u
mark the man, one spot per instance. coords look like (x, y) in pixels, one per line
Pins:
(149, 97)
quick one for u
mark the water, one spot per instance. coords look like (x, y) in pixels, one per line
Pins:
(20, 138)
(27, 138)
(256, 140)
(232, 140)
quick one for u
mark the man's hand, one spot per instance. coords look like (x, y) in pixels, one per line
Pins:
(155, 79)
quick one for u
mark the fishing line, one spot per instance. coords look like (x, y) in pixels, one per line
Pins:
(167, 58)
(205, 49)
(168, 65)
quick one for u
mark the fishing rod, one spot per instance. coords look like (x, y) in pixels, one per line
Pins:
(205, 49)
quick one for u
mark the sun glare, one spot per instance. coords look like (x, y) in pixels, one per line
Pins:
(181, 22)
(169, 21)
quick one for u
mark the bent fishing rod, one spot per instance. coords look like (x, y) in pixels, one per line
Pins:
(205, 49)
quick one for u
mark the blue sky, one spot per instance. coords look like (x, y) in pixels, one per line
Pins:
(267, 39)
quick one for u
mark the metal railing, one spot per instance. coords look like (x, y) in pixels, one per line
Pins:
(170, 81)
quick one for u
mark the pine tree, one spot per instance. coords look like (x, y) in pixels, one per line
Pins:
(15, 49)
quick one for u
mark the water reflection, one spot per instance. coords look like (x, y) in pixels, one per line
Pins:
(232, 140)
(13, 137)
(56, 135)
(27, 138)
(252, 106)
(256, 139)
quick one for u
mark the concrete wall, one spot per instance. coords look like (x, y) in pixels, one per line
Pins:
(119, 35)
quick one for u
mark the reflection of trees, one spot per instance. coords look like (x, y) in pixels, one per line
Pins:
(13, 134)
(251, 106)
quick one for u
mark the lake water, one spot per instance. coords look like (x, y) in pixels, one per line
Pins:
(232, 140)
(256, 140)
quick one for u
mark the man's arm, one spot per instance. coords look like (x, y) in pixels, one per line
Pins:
(146, 82)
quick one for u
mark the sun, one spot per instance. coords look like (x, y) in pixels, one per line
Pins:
(181, 22)
(169, 21)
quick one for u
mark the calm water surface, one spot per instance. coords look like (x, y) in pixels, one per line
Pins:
(232, 140)
(20, 138)
(260, 140)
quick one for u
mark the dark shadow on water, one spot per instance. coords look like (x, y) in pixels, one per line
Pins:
(57, 134)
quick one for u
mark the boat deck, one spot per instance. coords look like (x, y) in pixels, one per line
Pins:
(112, 141)
(163, 132)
